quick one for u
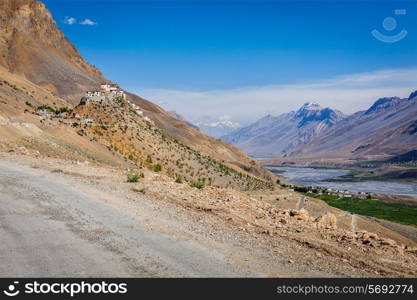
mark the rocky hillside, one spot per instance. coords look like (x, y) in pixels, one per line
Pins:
(32, 46)
(122, 127)
(410, 156)
(279, 136)
(194, 138)
(181, 118)
(40, 67)
(388, 127)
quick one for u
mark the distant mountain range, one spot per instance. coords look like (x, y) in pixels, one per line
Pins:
(281, 135)
(387, 128)
(218, 128)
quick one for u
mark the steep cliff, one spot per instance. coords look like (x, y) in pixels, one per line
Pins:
(32, 46)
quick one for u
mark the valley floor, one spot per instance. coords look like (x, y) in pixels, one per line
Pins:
(68, 219)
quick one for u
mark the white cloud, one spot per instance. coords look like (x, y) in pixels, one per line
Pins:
(348, 93)
(70, 20)
(88, 22)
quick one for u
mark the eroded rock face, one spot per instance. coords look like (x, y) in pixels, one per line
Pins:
(328, 221)
(33, 46)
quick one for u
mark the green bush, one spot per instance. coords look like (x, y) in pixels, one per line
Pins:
(301, 189)
(61, 110)
(197, 184)
(132, 178)
(178, 179)
(149, 159)
(46, 107)
(157, 168)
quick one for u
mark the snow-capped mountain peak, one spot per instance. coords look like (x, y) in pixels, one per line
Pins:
(218, 128)
(311, 106)
(221, 124)
(272, 136)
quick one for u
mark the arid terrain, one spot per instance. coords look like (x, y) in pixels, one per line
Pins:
(118, 187)
(157, 227)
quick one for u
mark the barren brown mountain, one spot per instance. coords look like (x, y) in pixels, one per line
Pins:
(33, 46)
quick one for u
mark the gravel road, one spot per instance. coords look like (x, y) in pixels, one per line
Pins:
(52, 229)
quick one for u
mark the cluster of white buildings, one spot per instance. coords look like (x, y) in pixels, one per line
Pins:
(108, 87)
(84, 120)
(341, 193)
(50, 114)
(107, 91)
(136, 108)
(319, 190)
(138, 111)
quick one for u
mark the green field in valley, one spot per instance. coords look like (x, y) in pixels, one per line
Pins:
(395, 212)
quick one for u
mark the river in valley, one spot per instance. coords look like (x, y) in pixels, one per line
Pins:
(320, 177)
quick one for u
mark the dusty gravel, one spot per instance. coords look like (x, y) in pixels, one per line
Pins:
(50, 228)
(67, 218)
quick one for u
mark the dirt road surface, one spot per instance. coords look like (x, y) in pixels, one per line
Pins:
(61, 218)
(48, 228)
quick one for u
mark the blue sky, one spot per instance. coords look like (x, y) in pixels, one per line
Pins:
(193, 56)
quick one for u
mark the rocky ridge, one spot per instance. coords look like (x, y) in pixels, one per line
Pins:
(279, 136)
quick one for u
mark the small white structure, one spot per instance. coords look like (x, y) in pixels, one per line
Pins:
(109, 87)
(44, 112)
(113, 90)
(87, 121)
(106, 87)
(119, 93)
(93, 94)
